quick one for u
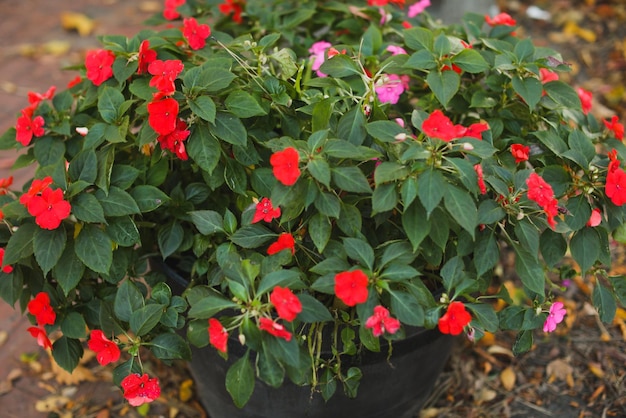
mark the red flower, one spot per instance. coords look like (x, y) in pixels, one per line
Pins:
(453, 321)
(595, 219)
(520, 152)
(5, 269)
(285, 166)
(285, 241)
(164, 73)
(351, 287)
(616, 127)
(541, 192)
(615, 187)
(35, 98)
(49, 208)
(27, 127)
(385, 2)
(195, 34)
(274, 328)
(174, 141)
(42, 337)
(163, 115)
(287, 305)
(106, 350)
(234, 7)
(5, 183)
(586, 99)
(501, 19)
(218, 336)
(481, 179)
(265, 211)
(40, 308)
(438, 125)
(145, 56)
(99, 64)
(140, 389)
(546, 75)
(380, 322)
(475, 130)
(36, 187)
(75, 81)
(170, 12)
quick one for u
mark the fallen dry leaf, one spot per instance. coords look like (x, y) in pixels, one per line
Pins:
(185, 392)
(3, 337)
(78, 22)
(51, 403)
(560, 369)
(596, 369)
(507, 378)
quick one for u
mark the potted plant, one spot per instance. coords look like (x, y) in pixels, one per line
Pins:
(302, 185)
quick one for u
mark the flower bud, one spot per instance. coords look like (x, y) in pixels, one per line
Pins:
(242, 339)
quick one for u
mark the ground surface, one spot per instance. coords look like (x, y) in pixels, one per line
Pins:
(579, 372)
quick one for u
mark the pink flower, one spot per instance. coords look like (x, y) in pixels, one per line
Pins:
(555, 316)
(595, 219)
(391, 88)
(380, 322)
(418, 8)
(396, 50)
(318, 51)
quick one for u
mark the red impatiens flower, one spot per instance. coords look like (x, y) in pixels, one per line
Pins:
(287, 305)
(586, 99)
(285, 241)
(380, 322)
(140, 389)
(5, 269)
(541, 192)
(106, 350)
(501, 19)
(438, 125)
(385, 2)
(41, 309)
(27, 127)
(5, 183)
(274, 328)
(595, 219)
(285, 166)
(455, 319)
(99, 65)
(145, 56)
(615, 126)
(547, 76)
(351, 287)
(164, 73)
(163, 115)
(475, 130)
(174, 141)
(195, 34)
(35, 98)
(41, 336)
(265, 211)
(170, 12)
(74, 82)
(218, 336)
(232, 6)
(49, 208)
(35, 189)
(615, 187)
(481, 178)
(520, 152)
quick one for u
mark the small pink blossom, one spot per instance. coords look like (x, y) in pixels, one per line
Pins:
(595, 219)
(396, 50)
(418, 8)
(318, 51)
(391, 88)
(555, 316)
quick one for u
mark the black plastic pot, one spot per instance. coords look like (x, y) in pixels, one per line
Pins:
(394, 388)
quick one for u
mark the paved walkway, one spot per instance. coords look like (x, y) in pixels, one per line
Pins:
(34, 49)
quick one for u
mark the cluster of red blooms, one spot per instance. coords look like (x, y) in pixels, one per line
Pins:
(235, 7)
(540, 192)
(28, 125)
(44, 315)
(615, 187)
(438, 125)
(46, 204)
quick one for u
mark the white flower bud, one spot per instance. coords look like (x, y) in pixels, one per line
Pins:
(467, 146)
(82, 130)
(242, 339)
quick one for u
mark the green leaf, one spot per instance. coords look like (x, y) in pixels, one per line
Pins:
(486, 253)
(462, 207)
(328, 204)
(94, 248)
(350, 179)
(170, 346)
(385, 198)
(523, 342)
(320, 170)
(351, 127)
(283, 278)
(269, 369)
(67, 352)
(230, 129)
(204, 148)
(444, 85)
(406, 308)
(252, 236)
(563, 94)
(216, 79)
(204, 107)
(74, 325)
(84, 167)
(431, 187)
(170, 237)
(388, 171)
(529, 88)
(421, 60)
(619, 287)
(415, 224)
(87, 208)
(128, 299)
(48, 247)
(524, 50)
(553, 247)
(360, 251)
(385, 130)
(110, 100)
(243, 105)
(144, 319)
(117, 202)
(69, 269)
(490, 212)
(485, 315)
(209, 306)
(340, 66)
(529, 270)
(470, 60)
(240, 381)
(123, 231)
(552, 140)
(418, 38)
(585, 247)
(148, 197)
(208, 222)
(320, 229)
(313, 310)
(604, 302)
(528, 235)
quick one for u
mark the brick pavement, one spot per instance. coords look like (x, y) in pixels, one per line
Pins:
(30, 31)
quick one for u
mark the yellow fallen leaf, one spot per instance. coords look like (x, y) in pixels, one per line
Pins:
(596, 369)
(3, 337)
(186, 390)
(571, 28)
(51, 403)
(78, 22)
(79, 374)
(484, 395)
(56, 48)
(507, 378)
